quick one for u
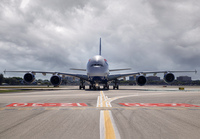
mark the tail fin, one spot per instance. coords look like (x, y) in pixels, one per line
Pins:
(100, 47)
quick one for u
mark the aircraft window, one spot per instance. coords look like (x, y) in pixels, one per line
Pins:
(96, 65)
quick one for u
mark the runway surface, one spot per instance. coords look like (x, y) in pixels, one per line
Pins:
(132, 112)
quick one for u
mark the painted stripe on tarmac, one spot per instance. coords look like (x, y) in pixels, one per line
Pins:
(99, 108)
(108, 129)
(158, 105)
(46, 105)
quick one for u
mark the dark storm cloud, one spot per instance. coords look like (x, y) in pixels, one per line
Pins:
(178, 29)
(56, 35)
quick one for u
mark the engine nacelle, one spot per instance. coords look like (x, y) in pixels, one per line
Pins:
(141, 80)
(169, 77)
(56, 80)
(29, 77)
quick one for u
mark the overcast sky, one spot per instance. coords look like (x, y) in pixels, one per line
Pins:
(55, 35)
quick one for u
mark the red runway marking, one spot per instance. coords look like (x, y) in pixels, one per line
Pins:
(158, 105)
(46, 104)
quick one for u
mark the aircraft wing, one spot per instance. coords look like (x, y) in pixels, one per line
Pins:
(78, 69)
(81, 76)
(119, 69)
(116, 76)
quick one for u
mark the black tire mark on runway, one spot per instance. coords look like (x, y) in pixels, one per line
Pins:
(22, 121)
(120, 125)
(182, 119)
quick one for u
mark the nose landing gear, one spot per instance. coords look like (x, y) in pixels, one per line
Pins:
(94, 87)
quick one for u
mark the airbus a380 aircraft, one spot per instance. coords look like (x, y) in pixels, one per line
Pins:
(98, 73)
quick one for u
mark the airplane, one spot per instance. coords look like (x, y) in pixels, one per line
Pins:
(98, 72)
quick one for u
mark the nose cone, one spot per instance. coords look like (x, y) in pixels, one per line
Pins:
(98, 59)
(97, 66)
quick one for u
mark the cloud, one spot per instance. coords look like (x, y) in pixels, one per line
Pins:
(56, 35)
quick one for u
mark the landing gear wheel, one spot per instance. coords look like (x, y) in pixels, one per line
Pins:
(80, 87)
(106, 87)
(82, 84)
(117, 87)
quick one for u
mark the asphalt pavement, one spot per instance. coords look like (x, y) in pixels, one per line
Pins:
(132, 112)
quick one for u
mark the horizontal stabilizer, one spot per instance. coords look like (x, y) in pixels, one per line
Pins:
(120, 69)
(78, 69)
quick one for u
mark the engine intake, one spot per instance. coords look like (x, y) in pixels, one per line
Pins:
(56, 80)
(29, 77)
(141, 80)
(169, 77)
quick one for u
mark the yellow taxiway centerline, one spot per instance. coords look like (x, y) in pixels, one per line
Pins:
(107, 129)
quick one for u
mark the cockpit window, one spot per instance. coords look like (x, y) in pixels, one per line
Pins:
(96, 65)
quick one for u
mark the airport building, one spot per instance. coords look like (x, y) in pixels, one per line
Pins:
(184, 78)
(71, 79)
(131, 78)
(153, 78)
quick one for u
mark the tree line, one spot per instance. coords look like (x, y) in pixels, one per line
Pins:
(19, 81)
(162, 82)
(10, 80)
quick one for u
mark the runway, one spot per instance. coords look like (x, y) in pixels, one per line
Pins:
(132, 112)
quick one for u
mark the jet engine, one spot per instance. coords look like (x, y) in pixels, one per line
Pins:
(169, 77)
(141, 80)
(56, 80)
(29, 77)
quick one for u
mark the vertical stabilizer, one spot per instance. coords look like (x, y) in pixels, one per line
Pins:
(100, 47)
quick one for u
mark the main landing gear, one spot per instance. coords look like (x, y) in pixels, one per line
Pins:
(116, 85)
(82, 85)
(106, 86)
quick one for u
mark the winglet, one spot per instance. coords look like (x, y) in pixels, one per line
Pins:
(195, 71)
(100, 47)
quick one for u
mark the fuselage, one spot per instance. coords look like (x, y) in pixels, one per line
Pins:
(97, 69)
